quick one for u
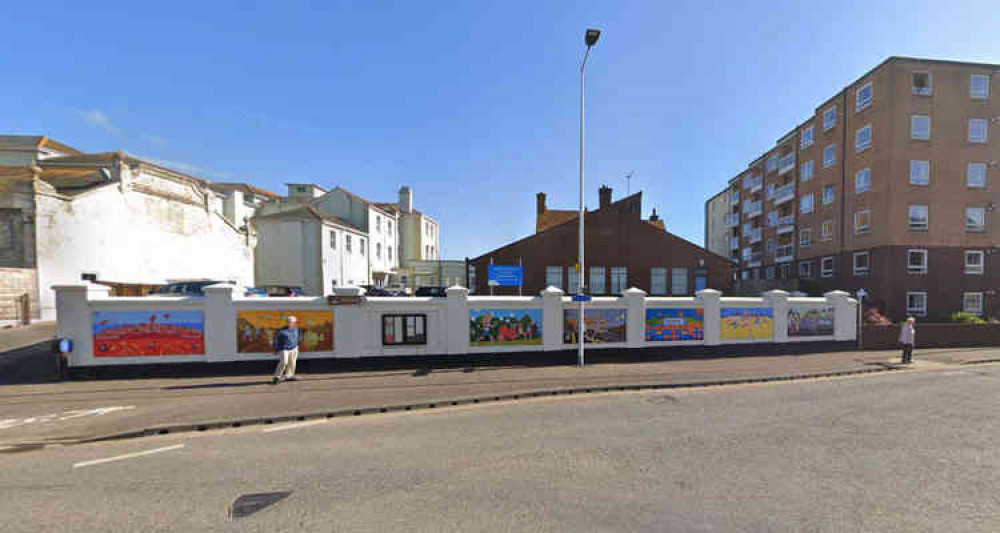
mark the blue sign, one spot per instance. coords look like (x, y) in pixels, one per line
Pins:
(581, 297)
(507, 275)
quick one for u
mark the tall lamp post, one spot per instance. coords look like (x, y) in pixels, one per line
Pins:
(590, 38)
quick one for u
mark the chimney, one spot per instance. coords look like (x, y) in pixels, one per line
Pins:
(605, 196)
(654, 217)
(405, 199)
(540, 203)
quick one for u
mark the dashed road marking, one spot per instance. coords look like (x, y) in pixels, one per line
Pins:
(127, 456)
(8, 423)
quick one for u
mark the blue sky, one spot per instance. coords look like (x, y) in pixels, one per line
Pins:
(472, 104)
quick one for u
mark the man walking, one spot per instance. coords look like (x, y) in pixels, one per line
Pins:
(908, 337)
(286, 347)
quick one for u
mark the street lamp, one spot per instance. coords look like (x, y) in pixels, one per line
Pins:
(590, 38)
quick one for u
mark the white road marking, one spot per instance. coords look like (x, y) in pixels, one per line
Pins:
(128, 456)
(68, 415)
(296, 425)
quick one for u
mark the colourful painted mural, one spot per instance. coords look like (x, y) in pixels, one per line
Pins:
(148, 333)
(675, 324)
(499, 327)
(600, 325)
(255, 330)
(747, 323)
(810, 321)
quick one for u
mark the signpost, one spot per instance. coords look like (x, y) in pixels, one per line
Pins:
(861, 315)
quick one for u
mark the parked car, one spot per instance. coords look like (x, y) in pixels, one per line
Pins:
(282, 290)
(372, 290)
(436, 292)
(187, 288)
(398, 289)
(256, 292)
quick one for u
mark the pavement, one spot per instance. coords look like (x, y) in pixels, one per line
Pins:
(17, 337)
(895, 452)
(46, 413)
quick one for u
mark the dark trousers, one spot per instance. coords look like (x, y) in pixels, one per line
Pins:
(907, 353)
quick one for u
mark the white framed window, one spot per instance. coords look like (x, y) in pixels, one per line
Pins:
(916, 303)
(361, 246)
(808, 170)
(378, 250)
(807, 137)
(862, 221)
(378, 223)
(863, 97)
(920, 172)
(388, 227)
(829, 155)
(862, 263)
(920, 127)
(619, 279)
(388, 252)
(679, 281)
(862, 180)
(572, 279)
(830, 118)
(597, 280)
(975, 175)
(805, 237)
(806, 203)
(829, 194)
(863, 138)
(347, 243)
(333, 240)
(918, 217)
(974, 262)
(658, 280)
(921, 83)
(806, 269)
(916, 261)
(972, 303)
(977, 130)
(979, 86)
(554, 276)
(975, 219)
(826, 267)
(771, 164)
(826, 230)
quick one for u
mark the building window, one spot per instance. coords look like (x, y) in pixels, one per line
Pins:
(829, 195)
(700, 279)
(972, 303)
(977, 130)
(378, 223)
(770, 191)
(830, 156)
(772, 219)
(347, 243)
(679, 281)
(862, 222)
(388, 253)
(619, 279)
(974, 262)
(597, 280)
(772, 164)
(826, 231)
(862, 180)
(554, 277)
(919, 217)
(658, 280)
(863, 97)
(916, 303)
(862, 262)
(361, 246)
(979, 86)
(916, 261)
(975, 219)
(805, 238)
(920, 172)
(922, 84)
(826, 267)
(427, 251)
(573, 279)
(388, 227)
(472, 278)
(806, 204)
(404, 329)
(769, 272)
(975, 175)
(772, 246)
(863, 138)
(807, 138)
(806, 269)
(829, 118)
(920, 127)
(333, 240)
(808, 170)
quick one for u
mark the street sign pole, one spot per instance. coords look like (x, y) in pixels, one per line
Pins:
(861, 317)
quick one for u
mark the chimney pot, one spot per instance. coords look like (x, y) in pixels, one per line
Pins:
(604, 193)
(540, 203)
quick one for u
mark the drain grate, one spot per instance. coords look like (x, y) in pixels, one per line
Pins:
(249, 504)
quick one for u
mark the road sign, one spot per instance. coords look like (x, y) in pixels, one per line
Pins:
(862, 293)
(581, 297)
(506, 275)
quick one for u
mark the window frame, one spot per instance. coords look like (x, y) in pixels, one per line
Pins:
(548, 277)
(602, 278)
(830, 112)
(922, 269)
(823, 271)
(965, 301)
(968, 175)
(673, 278)
(972, 94)
(857, 134)
(807, 135)
(802, 204)
(917, 164)
(406, 339)
(823, 235)
(859, 103)
(653, 271)
(867, 172)
(916, 311)
(808, 274)
(974, 270)
(832, 147)
(832, 196)
(927, 217)
(619, 274)
(985, 130)
(866, 269)
(913, 129)
(805, 232)
(927, 90)
(333, 240)
(808, 170)
(858, 228)
(976, 229)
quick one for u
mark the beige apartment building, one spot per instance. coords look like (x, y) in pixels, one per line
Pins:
(889, 186)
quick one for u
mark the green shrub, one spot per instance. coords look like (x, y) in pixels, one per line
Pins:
(965, 318)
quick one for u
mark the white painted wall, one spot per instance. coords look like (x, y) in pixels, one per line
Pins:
(279, 257)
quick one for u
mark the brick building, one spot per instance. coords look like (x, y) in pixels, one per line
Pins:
(889, 185)
(622, 251)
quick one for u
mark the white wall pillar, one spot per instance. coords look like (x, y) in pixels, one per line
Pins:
(458, 320)
(74, 319)
(351, 331)
(711, 301)
(635, 331)
(779, 305)
(220, 323)
(552, 318)
(845, 318)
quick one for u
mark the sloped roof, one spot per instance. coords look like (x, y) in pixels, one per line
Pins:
(553, 217)
(364, 200)
(309, 211)
(33, 142)
(243, 187)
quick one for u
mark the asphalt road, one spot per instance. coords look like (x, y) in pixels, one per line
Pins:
(888, 452)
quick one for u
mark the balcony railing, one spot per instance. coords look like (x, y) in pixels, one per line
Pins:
(755, 235)
(755, 259)
(734, 197)
(734, 243)
(753, 208)
(786, 224)
(784, 193)
(786, 163)
(753, 183)
(732, 220)
(785, 253)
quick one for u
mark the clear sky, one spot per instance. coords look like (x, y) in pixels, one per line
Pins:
(472, 104)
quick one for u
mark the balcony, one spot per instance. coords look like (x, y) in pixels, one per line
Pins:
(786, 224)
(732, 220)
(755, 235)
(784, 193)
(734, 197)
(786, 164)
(755, 259)
(753, 183)
(785, 253)
(734, 243)
(753, 208)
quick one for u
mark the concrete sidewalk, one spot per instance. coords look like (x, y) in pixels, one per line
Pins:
(15, 338)
(77, 411)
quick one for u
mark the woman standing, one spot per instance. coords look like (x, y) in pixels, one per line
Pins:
(908, 337)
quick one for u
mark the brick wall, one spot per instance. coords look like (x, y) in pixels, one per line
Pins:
(934, 335)
(14, 282)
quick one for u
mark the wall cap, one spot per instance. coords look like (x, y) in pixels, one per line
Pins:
(552, 291)
(635, 292)
(708, 293)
